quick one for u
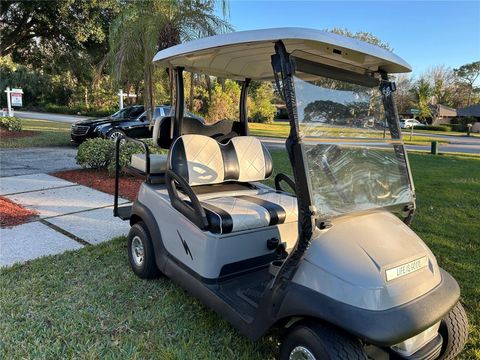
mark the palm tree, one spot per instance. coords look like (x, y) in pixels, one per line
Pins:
(423, 93)
(145, 27)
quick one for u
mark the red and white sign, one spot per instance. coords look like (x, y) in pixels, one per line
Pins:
(16, 96)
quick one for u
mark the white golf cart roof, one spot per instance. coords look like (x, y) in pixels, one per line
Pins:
(246, 54)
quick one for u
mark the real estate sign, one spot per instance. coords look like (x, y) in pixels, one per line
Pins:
(16, 96)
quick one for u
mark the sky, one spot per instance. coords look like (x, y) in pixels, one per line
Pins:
(424, 33)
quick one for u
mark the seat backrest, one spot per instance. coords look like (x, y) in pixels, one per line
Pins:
(201, 160)
(162, 137)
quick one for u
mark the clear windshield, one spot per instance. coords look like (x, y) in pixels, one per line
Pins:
(353, 162)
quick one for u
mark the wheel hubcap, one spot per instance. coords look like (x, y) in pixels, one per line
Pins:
(301, 353)
(137, 251)
(116, 135)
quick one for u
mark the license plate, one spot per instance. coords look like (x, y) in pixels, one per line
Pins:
(407, 268)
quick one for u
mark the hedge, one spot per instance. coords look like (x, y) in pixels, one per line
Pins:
(99, 153)
(432, 128)
(10, 123)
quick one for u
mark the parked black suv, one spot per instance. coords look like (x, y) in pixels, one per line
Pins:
(131, 121)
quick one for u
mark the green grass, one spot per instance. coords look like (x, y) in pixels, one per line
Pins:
(88, 304)
(48, 133)
(281, 130)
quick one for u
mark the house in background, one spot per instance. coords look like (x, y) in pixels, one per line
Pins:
(472, 112)
(442, 114)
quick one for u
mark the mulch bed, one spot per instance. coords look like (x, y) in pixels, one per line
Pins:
(5, 134)
(12, 214)
(100, 180)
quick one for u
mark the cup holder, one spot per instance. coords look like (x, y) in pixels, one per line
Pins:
(275, 267)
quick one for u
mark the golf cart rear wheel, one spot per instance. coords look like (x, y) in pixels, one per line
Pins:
(140, 252)
(454, 331)
(318, 341)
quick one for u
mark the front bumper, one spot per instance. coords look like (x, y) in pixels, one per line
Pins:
(382, 328)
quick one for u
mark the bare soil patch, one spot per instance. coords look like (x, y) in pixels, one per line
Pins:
(12, 214)
(100, 180)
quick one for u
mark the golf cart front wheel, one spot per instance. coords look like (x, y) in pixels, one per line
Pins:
(318, 341)
(454, 331)
(141, 253)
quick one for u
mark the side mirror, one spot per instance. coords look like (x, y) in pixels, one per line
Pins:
(143, 118)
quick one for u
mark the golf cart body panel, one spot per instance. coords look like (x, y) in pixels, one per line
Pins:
(246, 54)
(354, 268)
(208, 254)
(337, 251)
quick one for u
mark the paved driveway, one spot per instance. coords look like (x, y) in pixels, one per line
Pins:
(36, 160)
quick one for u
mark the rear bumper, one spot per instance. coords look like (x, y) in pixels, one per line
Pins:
(381, 328)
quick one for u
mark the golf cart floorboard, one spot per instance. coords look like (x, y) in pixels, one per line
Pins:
(244, 292)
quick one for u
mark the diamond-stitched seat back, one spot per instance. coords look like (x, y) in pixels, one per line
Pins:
(202, 160)
(255, 162)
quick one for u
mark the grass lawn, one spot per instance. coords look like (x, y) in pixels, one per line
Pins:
(88, 304)
(281, 129)
(47, 133)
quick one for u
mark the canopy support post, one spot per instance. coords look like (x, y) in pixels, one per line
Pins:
(179, 102)
(244, 107)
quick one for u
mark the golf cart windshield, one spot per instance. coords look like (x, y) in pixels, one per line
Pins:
(354, 162)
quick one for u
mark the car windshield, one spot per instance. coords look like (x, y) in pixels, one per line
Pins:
(353, 162)
(130, 112)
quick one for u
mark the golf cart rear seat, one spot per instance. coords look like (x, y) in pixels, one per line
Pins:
(158, 162)
(197, 161)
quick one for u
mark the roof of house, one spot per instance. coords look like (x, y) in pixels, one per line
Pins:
(473, 110)
(247, 54)
(446, 111)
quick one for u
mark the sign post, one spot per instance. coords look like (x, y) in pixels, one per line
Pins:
(120, 99)
(414, 112)
(121, 95)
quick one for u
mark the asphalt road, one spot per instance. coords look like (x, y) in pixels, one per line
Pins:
(457, 144)
(47, 116)
(279, 144)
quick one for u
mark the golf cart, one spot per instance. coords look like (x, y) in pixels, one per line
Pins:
(327, 255)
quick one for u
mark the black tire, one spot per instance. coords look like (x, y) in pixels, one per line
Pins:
(322, 341)
(116, 133)
(142, 257)
(454, 331)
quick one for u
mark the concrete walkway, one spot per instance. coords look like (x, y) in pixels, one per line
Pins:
(71, 216)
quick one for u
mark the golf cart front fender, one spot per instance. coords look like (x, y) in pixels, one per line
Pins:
(378, 327)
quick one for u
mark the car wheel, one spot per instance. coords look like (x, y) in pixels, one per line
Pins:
(141, 253)
(319, 341)
(454, 331)
(116, 134)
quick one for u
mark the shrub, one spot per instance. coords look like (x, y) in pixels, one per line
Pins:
(459, 127)
(432, 128)
(10, 123)
(75, 110)
(100, 153)
(95, 153)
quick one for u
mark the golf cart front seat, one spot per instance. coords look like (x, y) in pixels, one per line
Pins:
(198, 161)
